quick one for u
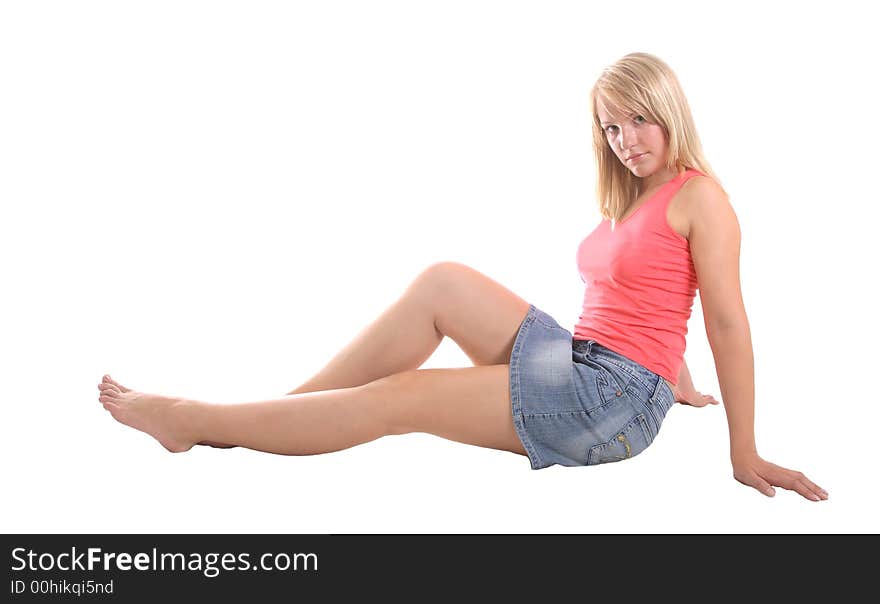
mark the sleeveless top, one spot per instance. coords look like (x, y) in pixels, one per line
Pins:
(640, 285)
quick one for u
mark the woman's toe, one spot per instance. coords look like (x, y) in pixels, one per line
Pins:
(118, 385)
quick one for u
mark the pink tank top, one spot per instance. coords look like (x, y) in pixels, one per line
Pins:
(640, 285)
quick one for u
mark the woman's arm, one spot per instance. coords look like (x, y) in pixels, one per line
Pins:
(734, 363)
(714, 238)
(685, 382)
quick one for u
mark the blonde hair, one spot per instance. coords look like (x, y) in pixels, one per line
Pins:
(640, 83)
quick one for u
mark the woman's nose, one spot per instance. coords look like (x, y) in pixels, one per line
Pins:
(627, 138)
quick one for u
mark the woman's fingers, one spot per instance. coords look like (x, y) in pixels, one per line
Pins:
(819, 490)
(796, 481)
(811, 490)
(762, 475)
(802, 488)
(799, 486)
(750, 475)
(695, 399)
(764, 486)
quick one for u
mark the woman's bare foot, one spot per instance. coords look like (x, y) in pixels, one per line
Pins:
(121, 388)
(159, 416)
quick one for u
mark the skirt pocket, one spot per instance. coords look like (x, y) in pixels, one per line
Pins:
(596, 387)
(634, 438)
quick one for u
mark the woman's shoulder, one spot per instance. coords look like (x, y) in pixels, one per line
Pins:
(698, 194)
(698, 186)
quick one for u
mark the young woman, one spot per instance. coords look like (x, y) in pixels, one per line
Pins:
(595, 396)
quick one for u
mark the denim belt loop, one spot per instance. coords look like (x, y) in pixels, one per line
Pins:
(657, 387)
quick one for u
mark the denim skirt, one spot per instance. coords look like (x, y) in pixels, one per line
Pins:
(577, 403)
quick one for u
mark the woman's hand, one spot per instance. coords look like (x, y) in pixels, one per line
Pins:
(690, 396)
(753, 471)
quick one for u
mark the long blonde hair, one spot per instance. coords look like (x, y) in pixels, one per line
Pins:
(640, 83)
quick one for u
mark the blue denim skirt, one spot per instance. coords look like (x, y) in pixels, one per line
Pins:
(577, 403)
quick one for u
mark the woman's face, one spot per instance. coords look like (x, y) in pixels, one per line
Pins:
(631, 136)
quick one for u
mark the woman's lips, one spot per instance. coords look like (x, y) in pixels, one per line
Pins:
(635, 157)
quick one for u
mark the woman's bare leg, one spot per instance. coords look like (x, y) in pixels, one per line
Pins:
(446, 299)
(469, 405)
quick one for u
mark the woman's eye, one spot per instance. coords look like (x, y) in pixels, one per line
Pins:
(608, 128)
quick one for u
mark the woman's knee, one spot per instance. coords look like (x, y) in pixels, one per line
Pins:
(383, 396)
(439, 277)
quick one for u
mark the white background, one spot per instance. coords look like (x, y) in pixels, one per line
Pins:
(209, 199)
